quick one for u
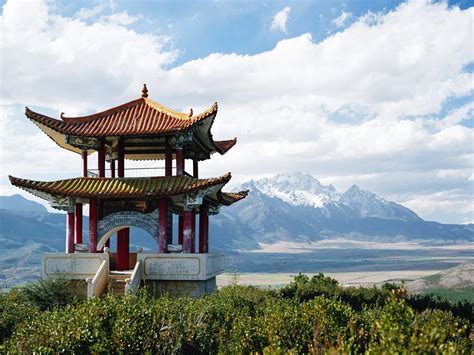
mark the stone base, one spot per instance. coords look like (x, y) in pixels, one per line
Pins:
(192, 288)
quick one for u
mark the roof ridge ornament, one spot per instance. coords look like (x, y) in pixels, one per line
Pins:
(190, 112)
(144, 91)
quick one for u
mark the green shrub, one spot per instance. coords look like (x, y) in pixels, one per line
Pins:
(239, 319)
(14, 309)
(49, 293)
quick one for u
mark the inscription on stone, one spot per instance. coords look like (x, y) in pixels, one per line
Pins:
(171, 266)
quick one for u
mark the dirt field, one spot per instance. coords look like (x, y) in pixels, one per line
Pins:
(346, 278)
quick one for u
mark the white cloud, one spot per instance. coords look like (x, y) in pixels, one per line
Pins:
(282, 104)
(341, 19)
(280, 19)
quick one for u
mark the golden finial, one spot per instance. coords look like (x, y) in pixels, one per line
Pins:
(190, 112)
(144, 91)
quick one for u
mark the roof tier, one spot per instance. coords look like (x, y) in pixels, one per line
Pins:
(131, 188)
(143, 122)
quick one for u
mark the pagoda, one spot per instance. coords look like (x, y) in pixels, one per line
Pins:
(156, 200)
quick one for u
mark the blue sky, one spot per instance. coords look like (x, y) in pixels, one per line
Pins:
(377, 93)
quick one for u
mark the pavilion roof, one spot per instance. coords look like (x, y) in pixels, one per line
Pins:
(132, 188)
(142, 116)
(143, 119)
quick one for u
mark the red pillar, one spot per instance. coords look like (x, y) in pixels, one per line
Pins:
(163, 226)
(193, 231)
(123, 235)
(78, 223)
(195, 168)
(203, 228)
(180, 229)
(112, 168)
(120, 158)
(168, 161)
(123, 249)
(179, 161)
(70, 232)
(84, 163)
(92, 225)
(101, 159)
(187, 231)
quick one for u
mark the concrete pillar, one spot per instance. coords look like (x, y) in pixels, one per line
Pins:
(93, 225)
(187, 232)
(78, 223)
(163, 226)
(70, 232)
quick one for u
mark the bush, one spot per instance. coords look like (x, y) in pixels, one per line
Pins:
(239, 319)
(49, 293)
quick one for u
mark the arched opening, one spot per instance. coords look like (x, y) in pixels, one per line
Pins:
(122, 259)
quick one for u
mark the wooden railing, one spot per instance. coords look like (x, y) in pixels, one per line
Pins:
(133, 283)
(97, 285)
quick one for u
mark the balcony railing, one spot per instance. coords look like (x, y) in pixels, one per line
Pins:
(134, 172)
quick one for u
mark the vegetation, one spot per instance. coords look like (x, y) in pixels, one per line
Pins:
(308, 316)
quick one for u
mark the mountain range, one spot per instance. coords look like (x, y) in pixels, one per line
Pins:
(288, 210)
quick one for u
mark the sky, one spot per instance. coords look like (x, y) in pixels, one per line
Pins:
(373, 93)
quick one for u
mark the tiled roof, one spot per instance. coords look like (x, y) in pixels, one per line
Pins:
(224, 146)
(138, 117)
(87, 187)
(228, 198)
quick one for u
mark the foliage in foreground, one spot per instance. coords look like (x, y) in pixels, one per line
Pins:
(310, 315)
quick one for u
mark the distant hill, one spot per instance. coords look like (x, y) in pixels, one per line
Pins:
(461, 276)
(19, 203)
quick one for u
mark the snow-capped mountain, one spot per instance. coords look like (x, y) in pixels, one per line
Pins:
(299, 189)
(297, 208)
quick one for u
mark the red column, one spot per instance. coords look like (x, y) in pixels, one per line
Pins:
(187, 231)
(203, 228)
(120, 158)
(92, 225)
(123, 235)
(78, 222)
(84, 163)
(180, 229)
(168, 161)
(112, 168)
(163, 226)
(123, 249)
(101, 159)
(195, 168)
(193, 231)
(179, 161)
(70, 232)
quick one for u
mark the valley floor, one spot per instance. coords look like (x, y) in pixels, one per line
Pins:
(358, 278)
